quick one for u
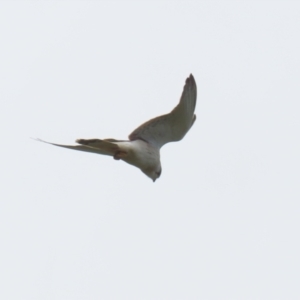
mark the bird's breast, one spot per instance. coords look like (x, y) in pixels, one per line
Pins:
(140, 154)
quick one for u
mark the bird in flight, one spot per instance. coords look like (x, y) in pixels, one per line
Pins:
(142, 148)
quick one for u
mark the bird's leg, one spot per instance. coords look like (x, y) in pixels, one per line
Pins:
(120, 154)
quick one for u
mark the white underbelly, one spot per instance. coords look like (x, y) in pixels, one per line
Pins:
(140, 154)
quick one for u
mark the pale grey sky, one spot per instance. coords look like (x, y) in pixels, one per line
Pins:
(222, 222)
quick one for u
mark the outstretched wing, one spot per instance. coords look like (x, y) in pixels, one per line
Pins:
(94, 146)
(171, 127)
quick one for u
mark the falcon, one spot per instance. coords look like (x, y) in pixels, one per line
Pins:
(142, 150)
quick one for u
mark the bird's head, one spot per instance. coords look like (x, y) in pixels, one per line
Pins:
(153, 173)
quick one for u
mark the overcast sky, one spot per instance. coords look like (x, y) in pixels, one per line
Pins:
(222, 222)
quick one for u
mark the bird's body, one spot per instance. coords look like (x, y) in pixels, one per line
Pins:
(141, 155)
(142, 150)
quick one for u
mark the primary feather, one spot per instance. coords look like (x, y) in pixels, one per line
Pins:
(171, 127)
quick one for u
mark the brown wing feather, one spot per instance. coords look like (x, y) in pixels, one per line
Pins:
(173, 126)
(104, 148)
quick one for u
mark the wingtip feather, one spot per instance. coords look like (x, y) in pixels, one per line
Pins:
(191, 79)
